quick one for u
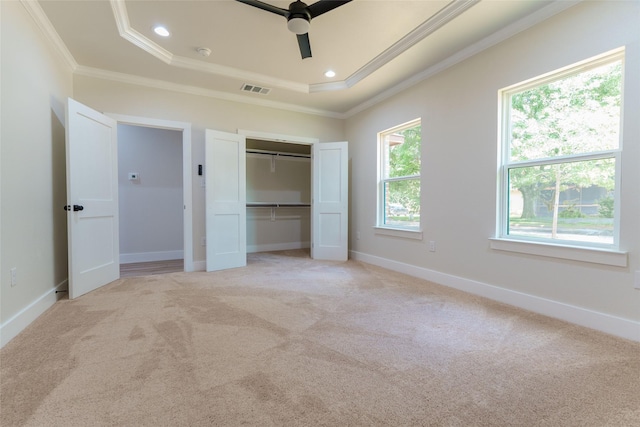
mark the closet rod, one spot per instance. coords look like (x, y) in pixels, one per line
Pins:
(278, 205)
(278, 153)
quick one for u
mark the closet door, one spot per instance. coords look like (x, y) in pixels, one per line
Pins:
(329, 216)
(226, 217)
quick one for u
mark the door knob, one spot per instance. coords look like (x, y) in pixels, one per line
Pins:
(76, 208)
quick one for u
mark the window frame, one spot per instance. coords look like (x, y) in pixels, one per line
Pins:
(410, 232)
(605, 253)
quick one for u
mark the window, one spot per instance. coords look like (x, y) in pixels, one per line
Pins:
(561, 156)
(399, 183)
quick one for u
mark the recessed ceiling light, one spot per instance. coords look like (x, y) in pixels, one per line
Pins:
(330, 73)
(161, 31)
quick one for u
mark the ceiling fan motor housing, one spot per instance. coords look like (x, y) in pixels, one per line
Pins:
(299, 18)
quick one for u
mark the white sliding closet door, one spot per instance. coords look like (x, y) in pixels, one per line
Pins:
(226, 217)
(329, 210)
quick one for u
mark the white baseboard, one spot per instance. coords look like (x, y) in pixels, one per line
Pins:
(624, 328)
(12, 327)
(151, 256)
(278, 247)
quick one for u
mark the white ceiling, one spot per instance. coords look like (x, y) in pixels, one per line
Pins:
(375, 47)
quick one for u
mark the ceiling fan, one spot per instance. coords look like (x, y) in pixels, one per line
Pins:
(299, 17)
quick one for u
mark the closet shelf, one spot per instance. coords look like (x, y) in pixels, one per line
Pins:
(277, 205)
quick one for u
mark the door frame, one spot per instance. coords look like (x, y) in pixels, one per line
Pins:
(187, 180)
(276, 137)
(289, 139)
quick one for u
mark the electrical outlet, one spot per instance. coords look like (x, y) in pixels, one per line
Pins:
(636, 282)
(432, 245)
(14, 280)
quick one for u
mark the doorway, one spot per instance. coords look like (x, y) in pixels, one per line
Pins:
(278, 196)
(150, 200)
(226, 197)
(155, 181)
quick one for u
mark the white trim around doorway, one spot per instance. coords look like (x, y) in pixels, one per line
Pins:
(187, 171)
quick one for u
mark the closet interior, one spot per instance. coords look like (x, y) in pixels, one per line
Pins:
(278, 192)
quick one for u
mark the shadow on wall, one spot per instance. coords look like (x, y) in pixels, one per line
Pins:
(59, 191)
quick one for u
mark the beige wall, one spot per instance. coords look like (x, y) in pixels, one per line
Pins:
(35, 85)
(202, 112)
(458, 108)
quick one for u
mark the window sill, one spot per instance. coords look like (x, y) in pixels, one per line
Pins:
(575, 253)
(399, 232)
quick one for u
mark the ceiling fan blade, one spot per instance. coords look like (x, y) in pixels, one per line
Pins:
(324, 6)
(305, 46)
(266, 6)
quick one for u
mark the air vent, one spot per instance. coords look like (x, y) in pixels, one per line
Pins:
(255, 89)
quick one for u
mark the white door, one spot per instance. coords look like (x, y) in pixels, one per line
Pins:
(329, 210)
(226, 201)
(92, 195)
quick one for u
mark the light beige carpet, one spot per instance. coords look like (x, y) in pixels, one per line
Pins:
(288, 341)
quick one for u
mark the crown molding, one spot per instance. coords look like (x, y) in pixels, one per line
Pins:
(42, 22)
(133, 36)
(499, 36)
(195, 65)
(442, 17)
(48, 30)
(138, 39)
(194, 90)
(428, 27)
